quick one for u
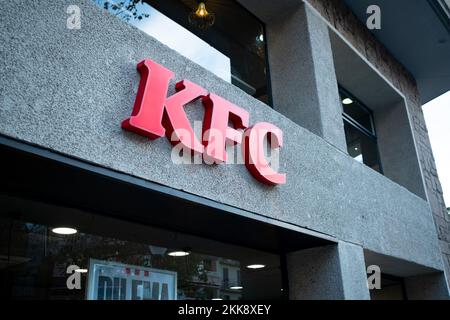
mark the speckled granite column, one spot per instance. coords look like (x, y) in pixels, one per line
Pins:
(333, 272)
(304, 85)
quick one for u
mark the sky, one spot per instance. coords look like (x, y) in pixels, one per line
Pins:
(437, 117)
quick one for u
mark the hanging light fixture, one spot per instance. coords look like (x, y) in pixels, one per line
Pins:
(201, 18)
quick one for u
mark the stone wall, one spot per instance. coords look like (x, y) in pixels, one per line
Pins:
(68, 90)
(348, 25)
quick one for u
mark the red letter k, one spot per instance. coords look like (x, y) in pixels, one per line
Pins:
(154, 114)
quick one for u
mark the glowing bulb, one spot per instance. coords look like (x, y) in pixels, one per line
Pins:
(179, 253)
(64, 230)
(236, 288)
(201, 18)
(256, 266)
(201, 10)
(347, 101)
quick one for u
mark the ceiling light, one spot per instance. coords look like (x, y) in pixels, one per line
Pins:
(217, 299)
(256, 266)
(236, 288)
(347, 101)
(201, 18)
(180, 253)
(64, 230)
(81, 270)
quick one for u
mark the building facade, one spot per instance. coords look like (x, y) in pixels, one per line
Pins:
(361, 194)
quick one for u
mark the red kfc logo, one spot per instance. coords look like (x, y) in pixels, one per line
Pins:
(155, 115)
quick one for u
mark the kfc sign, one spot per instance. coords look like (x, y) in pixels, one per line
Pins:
(155, 115)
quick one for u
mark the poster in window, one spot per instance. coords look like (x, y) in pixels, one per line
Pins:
(108, 280)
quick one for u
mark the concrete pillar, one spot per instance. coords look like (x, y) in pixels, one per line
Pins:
(334, 272)
(304, 85)
(427, 287)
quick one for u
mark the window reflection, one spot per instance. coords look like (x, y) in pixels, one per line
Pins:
(233, 47)
(361, 147)
(359, 131)
(34, 262)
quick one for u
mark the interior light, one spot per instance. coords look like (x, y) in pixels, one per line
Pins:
(261, 37)
(256, 266)
(201, 18)
(201, 10)
(64, 230)
(216, 299)
(347, 101)
(236, 288)
(180, 253)
(81, 270)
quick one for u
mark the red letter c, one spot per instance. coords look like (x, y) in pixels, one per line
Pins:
(253, 148)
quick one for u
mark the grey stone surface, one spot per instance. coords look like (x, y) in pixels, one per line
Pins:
(346, 23)
(398, 154)
(333, 272)
(396, 144)
(353, 271)
(304, 85)
(315, 274)
(68, 91)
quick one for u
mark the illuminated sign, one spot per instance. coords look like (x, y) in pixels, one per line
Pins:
(155, 114)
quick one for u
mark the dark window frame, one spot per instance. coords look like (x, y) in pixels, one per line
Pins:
(357, 126)
(266, 56)
(266, 49)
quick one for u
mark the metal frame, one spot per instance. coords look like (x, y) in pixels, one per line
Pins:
(352, 122)
(442, 10)
(266, 50)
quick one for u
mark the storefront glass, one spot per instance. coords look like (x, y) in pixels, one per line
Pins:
(116, 260)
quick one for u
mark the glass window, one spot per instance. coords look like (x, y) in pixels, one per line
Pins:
(116, 260)
(220, 35)
(360, 131)
(361, 147)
